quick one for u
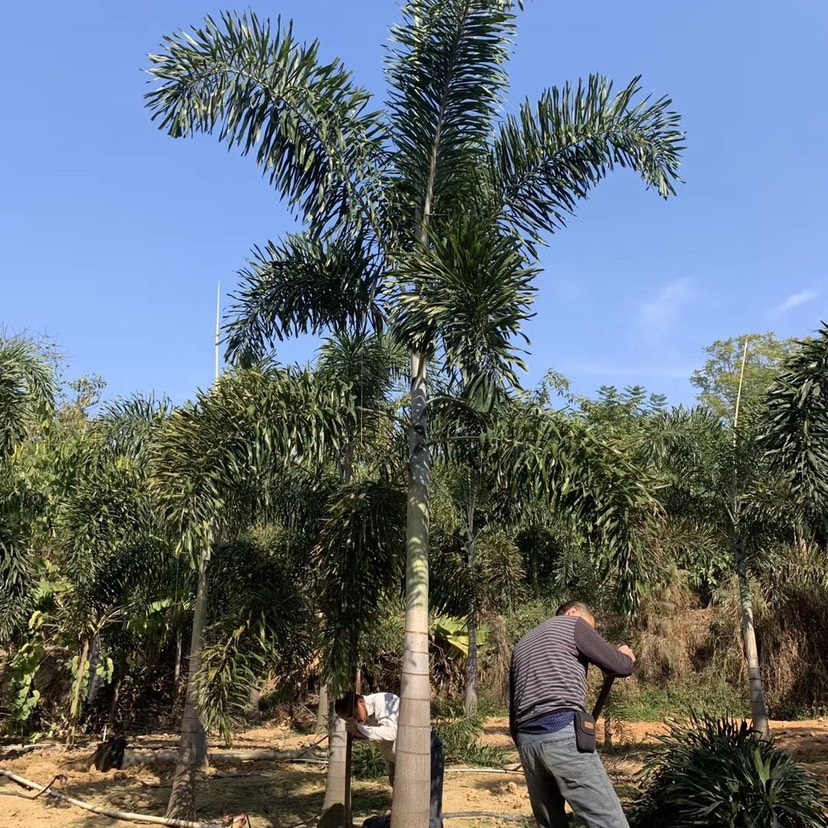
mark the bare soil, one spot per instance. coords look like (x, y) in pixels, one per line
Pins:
(280, 794)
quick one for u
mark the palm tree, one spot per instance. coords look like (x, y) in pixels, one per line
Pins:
(356, 534)
(795, 431)
(27, 391)
(715, 490)
(112, 544)
(425, 217)
(519, 464)
(27, 395)
(217, 467)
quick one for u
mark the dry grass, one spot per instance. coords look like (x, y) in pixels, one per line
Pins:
(671, 630)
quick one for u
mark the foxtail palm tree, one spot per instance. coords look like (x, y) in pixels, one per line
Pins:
(794, 425)
(425, 217)
(27, 395)
(216, 468)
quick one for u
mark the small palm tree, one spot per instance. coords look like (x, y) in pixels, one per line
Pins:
(425, 217)
(794, 425)
(27, 395)
(27, 391)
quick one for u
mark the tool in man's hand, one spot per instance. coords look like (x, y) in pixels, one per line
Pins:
(600, 701)
(603, 695)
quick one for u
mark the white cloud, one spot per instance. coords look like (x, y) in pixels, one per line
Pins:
(795, 300)
(662, 313)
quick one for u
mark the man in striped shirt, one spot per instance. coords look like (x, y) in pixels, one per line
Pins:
(547, 685)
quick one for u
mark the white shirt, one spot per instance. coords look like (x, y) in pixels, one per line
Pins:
(381, 727)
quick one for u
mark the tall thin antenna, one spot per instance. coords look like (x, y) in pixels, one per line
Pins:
(218, 326)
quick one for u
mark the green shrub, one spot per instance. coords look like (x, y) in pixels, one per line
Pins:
(716, 773)
(460, 738)
(367, 762)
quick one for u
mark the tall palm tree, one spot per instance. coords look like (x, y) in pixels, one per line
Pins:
(425, 217)
(715, 482)
(514, 464)
(355, 534)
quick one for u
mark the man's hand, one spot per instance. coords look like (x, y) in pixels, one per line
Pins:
(627, 652)
(352, 728)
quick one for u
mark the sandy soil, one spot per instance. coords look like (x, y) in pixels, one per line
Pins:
(279, 794)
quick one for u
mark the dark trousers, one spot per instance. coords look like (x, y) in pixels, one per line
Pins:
(438, 771)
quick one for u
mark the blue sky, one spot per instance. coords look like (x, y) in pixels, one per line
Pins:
(113, 236)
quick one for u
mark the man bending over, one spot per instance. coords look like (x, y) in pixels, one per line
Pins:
(375, 718)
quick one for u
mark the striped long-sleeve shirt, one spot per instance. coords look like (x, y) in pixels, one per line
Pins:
(549, 669)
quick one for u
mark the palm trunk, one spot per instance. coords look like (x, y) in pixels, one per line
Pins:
(758, 710)
(607, 732)
(322, 711)
(470, 702)
(77, 690)
(413, 753)
(95, 682)
(192, 748)
(113, 708)
(349, 751)
(336, 808)
(177, 673)
(333, 808)
(253, 698)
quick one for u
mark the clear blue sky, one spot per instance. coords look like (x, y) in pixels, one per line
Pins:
(113, 236)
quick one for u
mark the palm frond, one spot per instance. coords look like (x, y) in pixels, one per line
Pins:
(126, 426)
(268, 94)
(542, 454)
(795, 425)
(215, 462)
(371, 365)
(445, 71)
(17, 578)
(305, 284)
(551, 154)
(27, 391)
(360, 558)
(472, 290)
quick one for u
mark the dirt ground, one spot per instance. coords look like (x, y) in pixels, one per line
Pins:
(281, 794)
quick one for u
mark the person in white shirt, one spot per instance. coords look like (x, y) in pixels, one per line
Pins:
(375, 717)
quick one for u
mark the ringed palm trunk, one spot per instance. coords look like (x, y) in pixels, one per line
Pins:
(410, 807)
(758, 709)
(323, 709)
(77, 691)
(336, 794)
(192, 748)
(470, 701)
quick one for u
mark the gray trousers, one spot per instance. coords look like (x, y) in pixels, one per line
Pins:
(556, 772)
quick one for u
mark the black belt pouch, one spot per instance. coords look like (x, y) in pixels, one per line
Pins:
(584, 732)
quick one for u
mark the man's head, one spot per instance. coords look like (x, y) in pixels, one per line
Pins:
(351, 705)
(577, 609)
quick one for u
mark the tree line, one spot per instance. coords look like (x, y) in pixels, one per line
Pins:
(262, 527)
